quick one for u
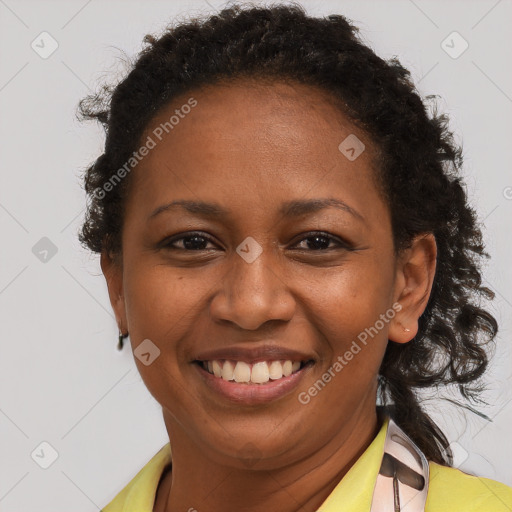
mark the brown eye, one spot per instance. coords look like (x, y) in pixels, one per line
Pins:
(320, 241)
(195, 241)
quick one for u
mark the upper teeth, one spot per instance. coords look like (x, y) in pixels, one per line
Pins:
(258, 373)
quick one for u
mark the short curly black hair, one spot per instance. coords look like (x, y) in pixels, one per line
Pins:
(419, 168)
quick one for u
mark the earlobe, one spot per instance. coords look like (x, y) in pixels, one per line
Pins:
(415, 272)
(114, 277)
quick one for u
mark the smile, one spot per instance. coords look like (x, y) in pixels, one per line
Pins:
(260, 372)
(255, 383)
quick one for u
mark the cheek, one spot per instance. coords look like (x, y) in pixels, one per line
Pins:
(353, 315)
(351, 298)
(158, 302)
(160, 306)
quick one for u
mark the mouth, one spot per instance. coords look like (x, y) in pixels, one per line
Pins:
(251, 384)
(260, 372)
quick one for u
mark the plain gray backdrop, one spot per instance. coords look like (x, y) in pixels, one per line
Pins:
(62, 381)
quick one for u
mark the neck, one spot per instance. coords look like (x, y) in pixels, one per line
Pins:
(198, 481)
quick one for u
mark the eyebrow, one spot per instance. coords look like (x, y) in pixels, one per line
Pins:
(289, 209)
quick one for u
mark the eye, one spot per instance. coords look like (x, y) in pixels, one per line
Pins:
(194, 241)
(320, 241)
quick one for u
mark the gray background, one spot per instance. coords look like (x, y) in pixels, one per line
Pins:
(62, 381)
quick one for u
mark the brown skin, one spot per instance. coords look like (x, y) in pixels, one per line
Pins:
(251, 148)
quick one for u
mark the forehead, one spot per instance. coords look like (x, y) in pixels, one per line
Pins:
(271, 111)
(257, 139)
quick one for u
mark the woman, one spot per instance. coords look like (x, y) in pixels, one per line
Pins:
(287, 242)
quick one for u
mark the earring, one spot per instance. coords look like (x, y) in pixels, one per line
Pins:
(120, 341)
(405, 329)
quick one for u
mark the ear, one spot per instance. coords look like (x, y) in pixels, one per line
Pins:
(416, 267)
(113, 272)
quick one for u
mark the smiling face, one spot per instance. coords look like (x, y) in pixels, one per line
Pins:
(246, 279)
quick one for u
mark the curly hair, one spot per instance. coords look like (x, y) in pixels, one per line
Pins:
(419, 174)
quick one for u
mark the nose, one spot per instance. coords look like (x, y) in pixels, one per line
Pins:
(253, 293)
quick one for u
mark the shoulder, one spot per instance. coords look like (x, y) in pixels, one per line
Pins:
(453, 490)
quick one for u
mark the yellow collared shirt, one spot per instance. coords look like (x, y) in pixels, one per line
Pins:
(450, 490)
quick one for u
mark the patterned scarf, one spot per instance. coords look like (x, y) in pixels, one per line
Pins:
(402, 482)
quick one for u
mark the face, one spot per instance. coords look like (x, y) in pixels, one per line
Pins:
(265, 274)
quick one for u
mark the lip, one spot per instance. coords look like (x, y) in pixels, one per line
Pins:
(253, 394)
(253, 354)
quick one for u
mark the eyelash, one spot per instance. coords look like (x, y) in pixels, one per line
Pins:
(168, 243)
